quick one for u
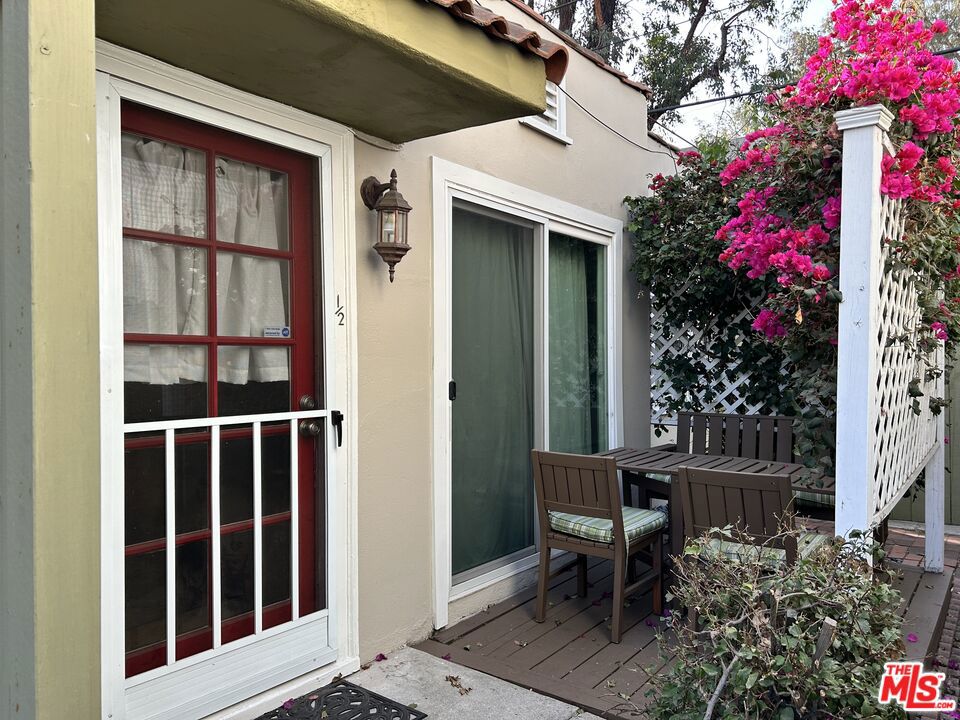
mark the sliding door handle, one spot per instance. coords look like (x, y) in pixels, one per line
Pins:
(452, 390)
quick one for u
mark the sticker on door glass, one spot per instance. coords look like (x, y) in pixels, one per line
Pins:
(276, 331)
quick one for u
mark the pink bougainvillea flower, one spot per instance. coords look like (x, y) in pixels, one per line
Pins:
(380, 657)
(821, 273)
(768, 322)
(447, 657)
(288, 704)
(912, 638)
(831, 213)
(909, 155)
(649, 622)
(939, 331)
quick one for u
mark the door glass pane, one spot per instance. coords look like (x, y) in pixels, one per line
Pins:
(145, 579)
(144, 483)
(164, 187)
(578, 344)
(236, 475)
(237, 577)
(164, 288)
(253, 379)
(252, 296)
(493, 414)
(276, 563)
(193, 587)
(251, 205)
(164, 382)
(275, 458)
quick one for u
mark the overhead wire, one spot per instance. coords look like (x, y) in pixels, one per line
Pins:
(615, 131)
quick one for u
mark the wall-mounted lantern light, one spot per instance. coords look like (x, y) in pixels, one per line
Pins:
(392, 212)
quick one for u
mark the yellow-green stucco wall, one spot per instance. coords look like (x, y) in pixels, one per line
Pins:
(49, 359)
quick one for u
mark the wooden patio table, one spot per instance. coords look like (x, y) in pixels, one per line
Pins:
(635, 463)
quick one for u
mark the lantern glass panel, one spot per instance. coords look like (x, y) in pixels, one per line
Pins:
(388, 226)
(402, 227)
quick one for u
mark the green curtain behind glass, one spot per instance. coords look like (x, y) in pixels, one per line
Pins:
(493, 414)
(578, 344)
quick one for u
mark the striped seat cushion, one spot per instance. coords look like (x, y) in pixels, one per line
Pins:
(811, 498)
(662, 477)
(807, 544)
(637, 522)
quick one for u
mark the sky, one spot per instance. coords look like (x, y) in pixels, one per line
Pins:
(692, 119)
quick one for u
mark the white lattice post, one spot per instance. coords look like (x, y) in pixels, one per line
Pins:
(858, 352)
(934, 505)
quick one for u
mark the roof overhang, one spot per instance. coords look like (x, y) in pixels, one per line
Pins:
(396, 69)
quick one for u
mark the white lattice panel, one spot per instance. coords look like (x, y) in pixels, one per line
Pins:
(689, 343)
(902, 439)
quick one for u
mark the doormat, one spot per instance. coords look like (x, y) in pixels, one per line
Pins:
(342, 700)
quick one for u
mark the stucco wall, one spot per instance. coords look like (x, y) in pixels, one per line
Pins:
(49, 365)
(396, 336)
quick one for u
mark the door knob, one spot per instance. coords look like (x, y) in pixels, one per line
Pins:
(308, 402)
(310, 428)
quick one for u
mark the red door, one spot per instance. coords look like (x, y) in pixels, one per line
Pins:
(219, 321)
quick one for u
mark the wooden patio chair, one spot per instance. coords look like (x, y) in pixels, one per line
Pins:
(580, 510)
(757, 505)
(761, 437)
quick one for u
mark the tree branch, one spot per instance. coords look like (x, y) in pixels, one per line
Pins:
(713, 69)
(724, 676)
(694, 23)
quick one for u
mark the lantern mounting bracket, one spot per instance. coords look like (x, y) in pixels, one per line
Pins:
(371, 189)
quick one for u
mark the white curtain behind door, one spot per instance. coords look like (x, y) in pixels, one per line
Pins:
(165, 285)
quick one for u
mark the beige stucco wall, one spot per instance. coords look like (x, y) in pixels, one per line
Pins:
(49, 365)
(396, 335)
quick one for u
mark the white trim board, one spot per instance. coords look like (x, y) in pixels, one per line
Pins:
(123, 74)
(454, 183)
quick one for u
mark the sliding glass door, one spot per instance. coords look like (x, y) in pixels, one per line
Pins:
(494, 375)
(578, 341)
(529, 322)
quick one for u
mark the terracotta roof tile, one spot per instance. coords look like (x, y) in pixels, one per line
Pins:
(554, 55)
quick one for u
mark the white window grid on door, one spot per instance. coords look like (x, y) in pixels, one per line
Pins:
(213, 425)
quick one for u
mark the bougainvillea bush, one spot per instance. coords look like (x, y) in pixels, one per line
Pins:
(779, 230)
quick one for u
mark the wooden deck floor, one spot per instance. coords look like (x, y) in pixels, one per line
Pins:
(570, 656)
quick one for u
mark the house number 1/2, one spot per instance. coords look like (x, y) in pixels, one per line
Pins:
(339, 312)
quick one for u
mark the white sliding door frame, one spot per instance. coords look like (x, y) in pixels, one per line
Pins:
(456, 185)
(126, 75)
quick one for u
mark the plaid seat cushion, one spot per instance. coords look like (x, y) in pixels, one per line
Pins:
(807, 544)
(637, 522)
